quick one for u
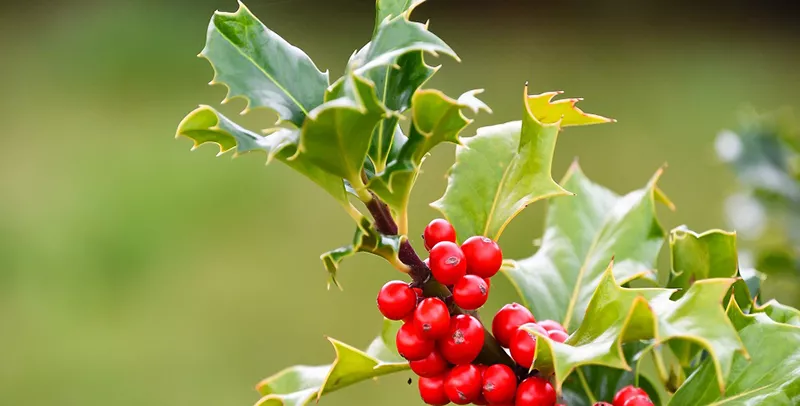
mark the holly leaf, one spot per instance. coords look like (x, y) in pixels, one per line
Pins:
(506, 167)
(336, 136)
(299, 385)
(436, 119)
(582, 234)
(595, 383)
(394, 62)
(392, 8)
(395, 86)
(781, 313)
(206, 125)
(366, 239)
(770, 376)
(618, 315)
(257, 64)
(711, 254)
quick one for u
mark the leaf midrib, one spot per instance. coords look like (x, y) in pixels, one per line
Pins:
(270, 77)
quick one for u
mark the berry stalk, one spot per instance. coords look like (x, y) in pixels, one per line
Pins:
(492, 352)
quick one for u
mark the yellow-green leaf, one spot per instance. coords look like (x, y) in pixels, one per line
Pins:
(299, 385)
(618, 315)
(582, 234)
(506, 167)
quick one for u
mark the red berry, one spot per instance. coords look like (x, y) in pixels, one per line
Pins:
(557, 336)
(470, 292)
(447, 263)
(499, 384)
(437, 231)
(464, 340)
(639, 400)
(523, 344)
(411, 345)
(507, 320)
(396, 300)
(488, 282)
(432, 365)
(551, 325)
(626, 393)
(481, 400)
(432, 318)
(602, 404)
(463, 384)
(431, 390)
(483, 255)
(535, 391)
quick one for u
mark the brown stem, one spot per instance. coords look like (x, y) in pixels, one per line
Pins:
(492, 352)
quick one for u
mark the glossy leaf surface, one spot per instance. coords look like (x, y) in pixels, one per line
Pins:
(506, 167)
(770, 376)
(582, 234)
(618, 315)
(302, 385)
(260, 66)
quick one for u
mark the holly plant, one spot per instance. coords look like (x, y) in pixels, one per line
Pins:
(592, 324)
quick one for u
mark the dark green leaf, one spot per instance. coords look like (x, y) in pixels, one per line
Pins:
(617, 315)
(436, 118)
(506, 167)
(336, 136)
(257, 64)
(395, 86)
(769, 376)
(366, 239)
(582, 234)
(300, 385)
(206, 125)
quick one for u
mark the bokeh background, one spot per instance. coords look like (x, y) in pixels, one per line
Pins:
(136, 272)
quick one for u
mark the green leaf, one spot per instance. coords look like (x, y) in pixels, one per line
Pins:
(206, 125)
(394, 62)
(780, 312)
(366, 239)
(395, 86)
(769, 376)
(392, 8)
(618, 315)
(506, 167)
(299, 385)
(336, 136)
(711, 254)
(604, 382)
(257, 64)
(436, 118)
(582, 234)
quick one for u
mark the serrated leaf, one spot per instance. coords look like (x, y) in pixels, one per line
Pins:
(206, 125)
(618, 315)
(394, 62)
(366, 239)
(336, 135)
(711, 254)
(436, 119)
(257, 64)
(395, 86)
(604, 382)
(506, 167)
(781, 313)
(392, 8)
(771, 375)
(582, 234)
(299, 385)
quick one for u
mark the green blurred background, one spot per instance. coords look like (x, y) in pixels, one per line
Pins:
(133, 272)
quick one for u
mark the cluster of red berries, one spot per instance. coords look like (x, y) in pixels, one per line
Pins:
(441, 347)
